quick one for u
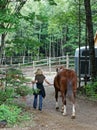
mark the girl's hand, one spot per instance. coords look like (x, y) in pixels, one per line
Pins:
(33, 82)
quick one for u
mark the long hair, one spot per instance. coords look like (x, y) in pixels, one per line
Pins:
(39, 71)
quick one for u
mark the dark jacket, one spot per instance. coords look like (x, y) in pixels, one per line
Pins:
(40, 79)
(41, 89)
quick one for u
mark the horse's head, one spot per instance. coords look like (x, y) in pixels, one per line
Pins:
(59, 68)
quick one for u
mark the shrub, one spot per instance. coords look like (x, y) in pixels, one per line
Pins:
(91, 90)
(12, 114)
(6, 95)
(23, 90)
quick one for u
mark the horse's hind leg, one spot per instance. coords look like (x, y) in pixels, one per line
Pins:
(64, 111)
(56, 97)
(73, 111)
(71, 94)
(73, 107)
(64, 104)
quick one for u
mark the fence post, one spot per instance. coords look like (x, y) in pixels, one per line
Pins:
(67, 61)
(59, 61)
(19, 65)
(50, 65)
(11, 60)
(47, 61)
(33, 65)
(23, 59)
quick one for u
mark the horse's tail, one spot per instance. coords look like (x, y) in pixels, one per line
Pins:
(70, 93)
(69, 88)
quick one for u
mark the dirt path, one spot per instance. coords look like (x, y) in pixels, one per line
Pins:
(50, 119)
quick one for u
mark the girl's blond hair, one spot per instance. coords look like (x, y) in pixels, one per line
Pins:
(39, 71)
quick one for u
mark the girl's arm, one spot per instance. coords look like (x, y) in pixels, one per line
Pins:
(47, 82)
(35, 81)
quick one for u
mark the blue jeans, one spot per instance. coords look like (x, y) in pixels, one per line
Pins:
(35, 101)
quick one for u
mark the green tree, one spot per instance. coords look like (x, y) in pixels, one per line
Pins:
(9, 17)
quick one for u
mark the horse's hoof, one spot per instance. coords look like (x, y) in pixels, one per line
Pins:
(73, 117)
(61, 111)
(64, 114)
(57, 108)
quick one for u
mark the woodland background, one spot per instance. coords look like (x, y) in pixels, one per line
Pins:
(47, 28)
(42, 29)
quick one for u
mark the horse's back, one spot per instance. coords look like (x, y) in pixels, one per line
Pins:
(64, 77)
(71, 77)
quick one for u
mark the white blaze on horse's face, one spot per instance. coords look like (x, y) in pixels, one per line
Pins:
(59, 69)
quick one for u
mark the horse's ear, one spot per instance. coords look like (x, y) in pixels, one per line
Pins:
(65, 66)
(56, 68)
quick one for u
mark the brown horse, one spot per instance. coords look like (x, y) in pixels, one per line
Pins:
(65, 81)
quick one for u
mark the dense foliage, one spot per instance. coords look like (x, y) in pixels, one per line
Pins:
(43, 28)
(12, 114)
(15, 86)
(91, 90)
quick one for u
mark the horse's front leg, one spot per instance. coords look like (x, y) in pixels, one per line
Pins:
(56, 97)
(64, 103)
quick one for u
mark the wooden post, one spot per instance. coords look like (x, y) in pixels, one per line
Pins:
(33, 65)
(23, 59)
(67, 61)
(50, 65)
(11, 60)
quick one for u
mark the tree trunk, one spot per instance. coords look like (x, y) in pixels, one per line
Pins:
(2, 46)
(89, 26)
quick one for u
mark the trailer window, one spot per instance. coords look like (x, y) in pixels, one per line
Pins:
(96, 52)
(85, 53)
